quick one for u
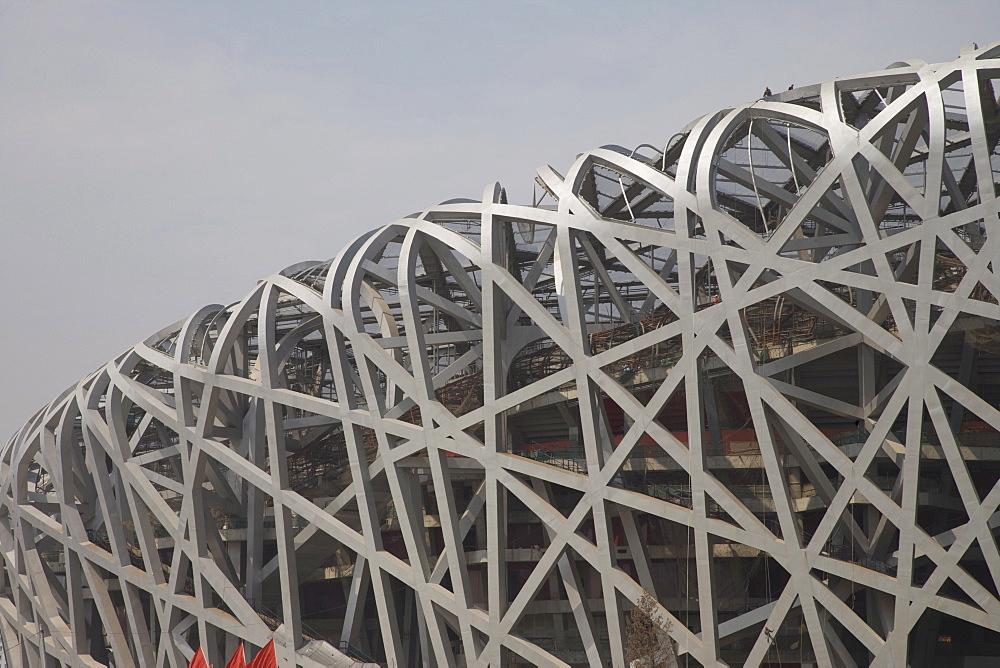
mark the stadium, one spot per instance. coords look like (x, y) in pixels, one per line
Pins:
(752, 369)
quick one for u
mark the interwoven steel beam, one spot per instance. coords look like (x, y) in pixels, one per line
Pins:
(754, 372)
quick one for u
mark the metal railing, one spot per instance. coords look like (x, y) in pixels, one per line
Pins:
(568, 459)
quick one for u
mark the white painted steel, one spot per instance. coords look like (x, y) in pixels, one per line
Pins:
(167, 498)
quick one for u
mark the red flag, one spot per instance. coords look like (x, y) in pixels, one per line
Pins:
(198, 660)
(265, 658)
(237, 660)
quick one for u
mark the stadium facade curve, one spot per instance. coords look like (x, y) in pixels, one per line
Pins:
(754, 372)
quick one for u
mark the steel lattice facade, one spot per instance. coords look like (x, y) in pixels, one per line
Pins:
(755, 373)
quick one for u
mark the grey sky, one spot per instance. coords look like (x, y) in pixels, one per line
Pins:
(155, 157)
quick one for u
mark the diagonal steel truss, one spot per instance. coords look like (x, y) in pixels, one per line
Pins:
(754, 372)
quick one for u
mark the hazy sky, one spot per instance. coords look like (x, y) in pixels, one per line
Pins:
(155, 157)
